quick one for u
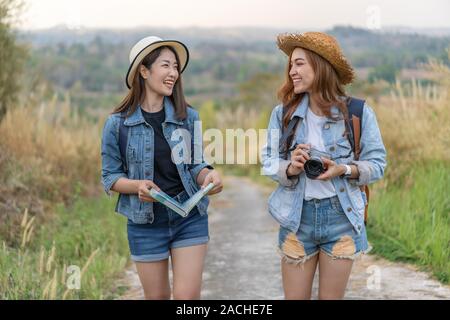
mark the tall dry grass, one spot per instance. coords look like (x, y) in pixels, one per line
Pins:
(409, 214)
(49, 217)
(49, 154)
(415, 123)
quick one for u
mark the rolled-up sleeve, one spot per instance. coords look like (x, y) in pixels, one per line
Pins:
(372, 160)
(272, 165)
(112, 167)
(197, 162)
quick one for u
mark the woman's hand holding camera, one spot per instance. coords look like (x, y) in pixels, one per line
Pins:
(332, 170)
(298, 158)
(300, 155)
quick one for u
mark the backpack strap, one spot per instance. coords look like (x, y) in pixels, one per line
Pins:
(123, 140)
(355, 113)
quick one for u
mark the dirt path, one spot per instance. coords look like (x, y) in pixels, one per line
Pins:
(242, 262)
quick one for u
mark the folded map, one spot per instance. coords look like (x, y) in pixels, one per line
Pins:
(182, 209)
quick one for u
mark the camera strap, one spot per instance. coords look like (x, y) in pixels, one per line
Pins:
(288, 133)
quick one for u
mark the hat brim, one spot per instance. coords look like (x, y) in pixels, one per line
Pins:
(181, 50)
(288, 43)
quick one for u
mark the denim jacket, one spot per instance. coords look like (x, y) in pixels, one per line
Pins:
(285, 203)
(139, 156)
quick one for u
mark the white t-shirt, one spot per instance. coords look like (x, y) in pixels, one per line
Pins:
(316, 189)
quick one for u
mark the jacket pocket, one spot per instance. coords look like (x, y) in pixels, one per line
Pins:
(356, 198)
(281, 202)
(355, 195)
(135, 152)
(135, 156)
(136, 204)
(343, 148)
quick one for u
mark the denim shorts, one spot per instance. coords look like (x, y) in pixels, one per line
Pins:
(153, 241)
(323, 227)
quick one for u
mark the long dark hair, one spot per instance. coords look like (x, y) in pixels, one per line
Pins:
(136, 94)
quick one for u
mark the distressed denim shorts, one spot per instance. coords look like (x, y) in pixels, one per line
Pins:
(323, 227)
(153, 241)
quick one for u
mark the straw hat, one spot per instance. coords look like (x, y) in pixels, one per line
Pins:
(324, 45)
(144, 46)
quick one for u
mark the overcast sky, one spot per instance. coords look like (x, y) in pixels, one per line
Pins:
(300, 14)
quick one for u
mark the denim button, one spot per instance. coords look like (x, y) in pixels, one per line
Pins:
(349, 209)
(147, 173)
(341, 189)
(332, 149)
(326, 126)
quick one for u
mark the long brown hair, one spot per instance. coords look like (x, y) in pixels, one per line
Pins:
(136, 94)
(326, 87)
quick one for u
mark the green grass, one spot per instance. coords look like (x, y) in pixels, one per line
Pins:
(88, 235)
(410, 220)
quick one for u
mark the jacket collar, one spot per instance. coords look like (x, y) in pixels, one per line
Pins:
(137, 118)
(302, 107)
(170, 111)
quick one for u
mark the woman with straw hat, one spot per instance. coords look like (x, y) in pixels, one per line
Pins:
(318, 203)
(141, 150)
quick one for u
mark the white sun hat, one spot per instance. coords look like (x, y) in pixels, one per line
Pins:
(144, 46)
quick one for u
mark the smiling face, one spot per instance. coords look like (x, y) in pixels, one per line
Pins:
(301, 72)
(162, 74)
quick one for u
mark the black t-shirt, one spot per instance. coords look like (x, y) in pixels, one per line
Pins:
(166, 175)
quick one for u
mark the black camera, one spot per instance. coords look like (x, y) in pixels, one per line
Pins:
(314, 167)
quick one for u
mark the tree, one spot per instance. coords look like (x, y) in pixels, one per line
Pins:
(12, 55)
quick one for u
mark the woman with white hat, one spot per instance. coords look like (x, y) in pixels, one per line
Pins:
(320, 167)
(150, 141)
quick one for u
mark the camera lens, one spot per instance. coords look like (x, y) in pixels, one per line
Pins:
(314, 168)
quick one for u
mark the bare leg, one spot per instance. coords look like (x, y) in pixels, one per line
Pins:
(333, 277)
(187, 266)
(154, 277)
(298, 279)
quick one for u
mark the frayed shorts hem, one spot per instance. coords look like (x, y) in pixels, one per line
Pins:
(303, 259)
(296, 261)
(350, 257)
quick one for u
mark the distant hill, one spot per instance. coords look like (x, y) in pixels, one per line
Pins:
(192, 35)
(95, 60)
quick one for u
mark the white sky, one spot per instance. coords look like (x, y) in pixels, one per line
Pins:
(229, 13)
